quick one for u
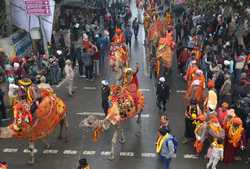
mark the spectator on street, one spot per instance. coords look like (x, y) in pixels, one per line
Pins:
(128, 36)
(162, 93)
(69, 79)
(135, 27)
(105, 95)
(88, 63)
(2, 105)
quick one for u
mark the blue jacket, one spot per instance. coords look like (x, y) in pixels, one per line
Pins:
(167, 150)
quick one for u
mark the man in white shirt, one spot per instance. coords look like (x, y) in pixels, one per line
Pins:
(12, 93)
(69, 76)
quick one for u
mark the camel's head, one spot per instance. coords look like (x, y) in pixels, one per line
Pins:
(90, 122)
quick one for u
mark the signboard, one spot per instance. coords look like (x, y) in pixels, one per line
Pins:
(38, 7)
(21, 19)
(22, 42)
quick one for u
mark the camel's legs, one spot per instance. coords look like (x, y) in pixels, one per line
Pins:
(113, 144)
(138, 121)
(32, 152)
(121, 132)
(45, 141)
(64, 124)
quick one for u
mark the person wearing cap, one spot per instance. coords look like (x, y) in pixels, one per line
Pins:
(83, 164)
(69, 72)
(105, 90)
(165, 147)
(162, 93)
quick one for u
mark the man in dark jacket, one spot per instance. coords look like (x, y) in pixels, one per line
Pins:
(162, 93)
(135, 27)
(105, 95)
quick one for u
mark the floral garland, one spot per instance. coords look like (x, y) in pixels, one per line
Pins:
(235, 134)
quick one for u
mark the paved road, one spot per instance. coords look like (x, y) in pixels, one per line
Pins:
(136, 153)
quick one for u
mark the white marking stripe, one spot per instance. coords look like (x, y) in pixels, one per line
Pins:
(128, 154)
(48, 151)
(102, 114)
(10, 150)
(145, 90)
(190, 156)
(91, 113)
(89, 152)
(149, 155)
(70, 152)
(180, 91)
(89, 88)
(28, 151)
(105, 153)
(143, 115)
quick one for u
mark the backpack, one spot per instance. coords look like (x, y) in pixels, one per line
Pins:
(175, 142)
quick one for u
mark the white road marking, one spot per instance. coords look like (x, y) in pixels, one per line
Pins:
(89, 152)
(70, 152)
(148, 155)
(145, 90)
(190, 156)
(180, 91)
(10, 150)
(50, 151)
(128, 154)
(28, 151)
(89, 88)
(91, 113)
(143, 116)
(105, 153)
(237, 158)
(102, 114)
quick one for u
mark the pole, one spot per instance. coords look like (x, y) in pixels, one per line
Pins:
(45, 42)
(8, 16)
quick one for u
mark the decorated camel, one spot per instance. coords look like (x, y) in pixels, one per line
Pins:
(164, 54)
(126, 101)
(118, 54)
(37, 111)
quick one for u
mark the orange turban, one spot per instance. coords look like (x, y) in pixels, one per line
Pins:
(118, 30)
(237, 121)
(210, 84)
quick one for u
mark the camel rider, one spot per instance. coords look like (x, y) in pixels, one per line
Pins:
(130, 77)
(211, 99)
(83, 164)
(162, 93)
(105, 95)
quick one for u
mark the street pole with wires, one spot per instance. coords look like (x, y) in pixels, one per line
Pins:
(44, 38)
